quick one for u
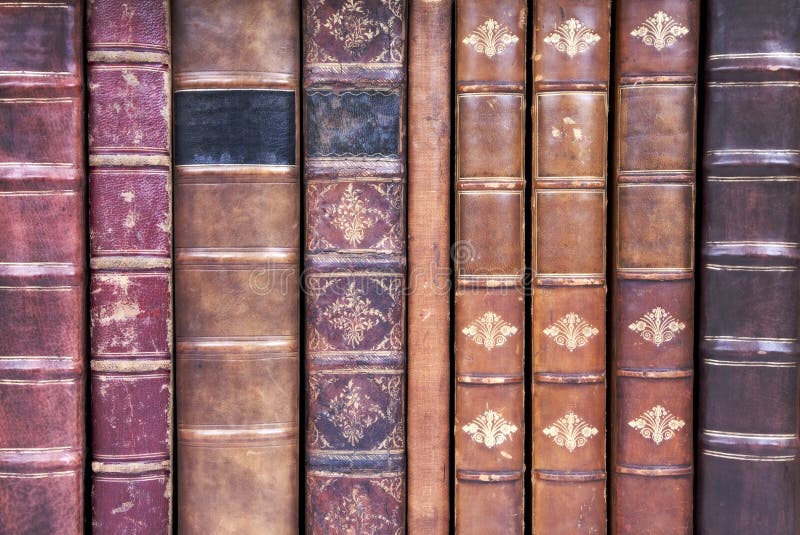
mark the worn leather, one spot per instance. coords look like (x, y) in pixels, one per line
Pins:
(489, 258)
(42, 268)
(653, 266)
(237, 213)
(747, 467)
(354, 81)
(130, 229)
(428, 432)
(570, 121)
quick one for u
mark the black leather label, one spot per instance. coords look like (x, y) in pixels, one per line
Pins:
(353, 124)
(255, 127)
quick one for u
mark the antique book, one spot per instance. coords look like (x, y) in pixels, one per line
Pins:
(354, 84)
(571, 65)
(130, 250)
(42, 267)
(652, 257)
(237, 238)
(748, 469)
(428, 433)
(489, 259)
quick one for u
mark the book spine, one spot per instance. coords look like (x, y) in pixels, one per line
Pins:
(747, 468)
(653, 266)
(237, 239)
(42, 267)
(355, 264)
(130, 288)
(428, 434)
(489, 258)
(570, 115)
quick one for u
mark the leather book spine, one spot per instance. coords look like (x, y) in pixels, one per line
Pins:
(42, 267)
(653, 267)
(489, 258)
(130, 280)
(354, 84)
(748, 469)
(237, 237)
(571, 63)
(428, 433)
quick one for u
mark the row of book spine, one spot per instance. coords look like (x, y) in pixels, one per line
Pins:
(374, 169)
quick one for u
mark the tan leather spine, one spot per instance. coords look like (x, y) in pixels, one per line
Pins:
(237, 234)
(428, 436)
(570, 117)
(489, 257)
(653, 266)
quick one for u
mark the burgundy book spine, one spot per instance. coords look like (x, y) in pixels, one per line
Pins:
(129, 111)
(42, 267)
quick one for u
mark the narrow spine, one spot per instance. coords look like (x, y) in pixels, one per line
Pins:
(42, 267)
(748, 469)
(430, 27)
(653, 267)
(130, 287)
(354, 82)
(237, 238)
(570, 116)
(489, 257)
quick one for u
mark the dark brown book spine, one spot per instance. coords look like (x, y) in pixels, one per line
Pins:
(653, 266)
(428, 434)
(42, 267)
(355, 265)
(489, 257)
(130, 230)
(237, 238)
(748, 468)
(570, 115)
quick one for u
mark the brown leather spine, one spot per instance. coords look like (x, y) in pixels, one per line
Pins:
(354, 81)
(236, 78)
(653, 266)
(42, 268)
(570, 116)
(130, 230)
(428, 433)
(748, 469)
(489, 256)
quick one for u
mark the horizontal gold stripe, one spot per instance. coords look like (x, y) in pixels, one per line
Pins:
(749, 363)
(723, 152)
(32, 4)
(127, 262)
(357, 371)
(730, 434)
(354, 475)
(770, 178)
(655, 374)
(489, 379)
(234, 80)
(744, 457)
(128, 365)
(129, 159)
(654, 471)
(715, 57)
(126, 56)
(37, 475)
(130, 467)
(749, 339)
(38, 382)
(754, 84)
(488, 477)
(778, 269)
(575, 476)
(753, 243)
(43, 450)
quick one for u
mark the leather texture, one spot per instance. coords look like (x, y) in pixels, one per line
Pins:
(429, 116)
(42, 268)
(747, 467)
(130, 279)
(237, 214)
(571, 65)
(653, 265)
(489, 258)
(354, 82)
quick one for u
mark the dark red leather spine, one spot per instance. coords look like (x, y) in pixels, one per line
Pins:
(42, 268)
(130, 259)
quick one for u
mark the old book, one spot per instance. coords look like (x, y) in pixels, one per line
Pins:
(130, 249)
(653, 266)
(489, 258)
(42, 267)
(237, 239)
(428, 433)
(354, 83)
(747, 467)
(570, 117)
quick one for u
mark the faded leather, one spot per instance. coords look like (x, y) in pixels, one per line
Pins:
(237, 214)
(570, 124)
(428, 431)
(42, 268)
(489, 261)
(747, 465)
